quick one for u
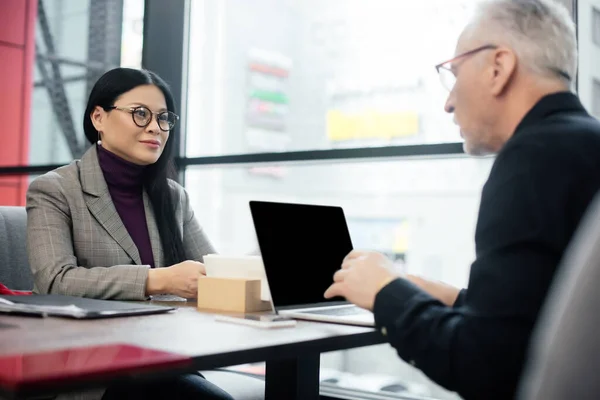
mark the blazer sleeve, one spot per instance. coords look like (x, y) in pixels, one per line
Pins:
(195, 240)
(51, 255)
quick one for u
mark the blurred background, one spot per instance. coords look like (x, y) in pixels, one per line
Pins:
(313, 101)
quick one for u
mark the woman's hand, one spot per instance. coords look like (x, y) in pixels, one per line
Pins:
(179, 279)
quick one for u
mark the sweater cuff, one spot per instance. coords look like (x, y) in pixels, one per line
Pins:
(461, 298)
(391, 301)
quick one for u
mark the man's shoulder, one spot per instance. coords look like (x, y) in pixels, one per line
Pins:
(561, 132)
(572, 141)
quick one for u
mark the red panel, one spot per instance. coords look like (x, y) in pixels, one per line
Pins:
(9, 192)
(12, 21)
(11, 104)
(27, 93)
(17, 27)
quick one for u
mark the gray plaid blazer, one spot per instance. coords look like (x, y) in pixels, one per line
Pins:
(77, 243)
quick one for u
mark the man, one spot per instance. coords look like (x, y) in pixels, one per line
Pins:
(510, 95)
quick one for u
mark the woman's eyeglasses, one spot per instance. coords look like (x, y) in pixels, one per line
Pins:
(142, 117)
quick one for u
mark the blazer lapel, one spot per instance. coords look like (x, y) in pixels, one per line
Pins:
(157, 250)
(98, 201)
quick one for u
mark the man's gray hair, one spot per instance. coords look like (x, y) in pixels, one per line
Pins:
(540, 32)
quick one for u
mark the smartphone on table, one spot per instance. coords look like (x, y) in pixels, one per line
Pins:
(267, 321)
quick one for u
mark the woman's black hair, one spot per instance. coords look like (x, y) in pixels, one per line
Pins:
(105, 92)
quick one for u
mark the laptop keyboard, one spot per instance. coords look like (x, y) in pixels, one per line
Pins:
(340, 311)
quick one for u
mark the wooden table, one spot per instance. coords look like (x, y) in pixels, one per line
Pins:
(292, 355)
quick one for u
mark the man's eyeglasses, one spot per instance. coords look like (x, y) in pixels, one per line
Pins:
(447, 71)
(142, 117)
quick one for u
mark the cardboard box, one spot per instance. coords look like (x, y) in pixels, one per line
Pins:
(239, 295)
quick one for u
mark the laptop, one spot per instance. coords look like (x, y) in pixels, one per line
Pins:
(75, 307)
(302, 246)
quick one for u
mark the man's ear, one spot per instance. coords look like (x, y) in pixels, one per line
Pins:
(504, 67)
(98, 117)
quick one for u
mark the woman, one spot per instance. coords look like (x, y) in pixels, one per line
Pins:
(112, 225)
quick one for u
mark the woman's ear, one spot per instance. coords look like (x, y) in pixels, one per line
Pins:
(98, 117)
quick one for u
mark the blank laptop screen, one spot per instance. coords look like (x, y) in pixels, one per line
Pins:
(301, 246)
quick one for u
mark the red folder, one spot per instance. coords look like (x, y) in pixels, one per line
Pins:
(24, 372)
(5, 290)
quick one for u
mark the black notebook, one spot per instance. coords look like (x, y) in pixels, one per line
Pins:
(74, 307)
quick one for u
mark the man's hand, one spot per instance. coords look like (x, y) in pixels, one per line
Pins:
(362, 276)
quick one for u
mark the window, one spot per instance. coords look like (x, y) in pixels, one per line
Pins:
(132, 36)
(420, 212)
(596, 26)
(596, 98)
(76, 42)
(73, 43)
(341, 76)
(589, 56)
(273, 76)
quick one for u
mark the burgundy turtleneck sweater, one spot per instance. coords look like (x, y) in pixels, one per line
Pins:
(124, 181)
